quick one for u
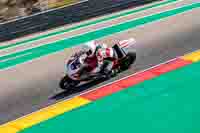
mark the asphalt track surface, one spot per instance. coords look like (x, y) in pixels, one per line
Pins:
(34, 85)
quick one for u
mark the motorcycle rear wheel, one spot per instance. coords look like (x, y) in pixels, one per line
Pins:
(128, 61)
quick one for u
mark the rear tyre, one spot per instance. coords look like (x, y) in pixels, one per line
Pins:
(128, 61)
(67, 83)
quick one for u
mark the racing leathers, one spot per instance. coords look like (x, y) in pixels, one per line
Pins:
(105, 60)
(102, 59)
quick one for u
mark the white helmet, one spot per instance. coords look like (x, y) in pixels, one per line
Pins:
(89, 48)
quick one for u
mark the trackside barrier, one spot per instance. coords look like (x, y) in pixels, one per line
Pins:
(65, 15)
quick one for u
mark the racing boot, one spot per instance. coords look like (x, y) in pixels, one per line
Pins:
(107, 71)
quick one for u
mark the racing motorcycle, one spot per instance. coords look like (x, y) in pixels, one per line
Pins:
(76, 74)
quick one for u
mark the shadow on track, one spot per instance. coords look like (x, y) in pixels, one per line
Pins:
(77, 90)
(82, 88)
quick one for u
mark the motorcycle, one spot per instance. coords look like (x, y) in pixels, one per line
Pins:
(77, 73)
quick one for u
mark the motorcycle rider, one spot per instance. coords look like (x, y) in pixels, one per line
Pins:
(100, 53)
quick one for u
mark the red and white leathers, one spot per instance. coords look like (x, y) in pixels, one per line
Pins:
(105, 58)
(90, 48)
(108, 56)
(98, 56)
(89, 52)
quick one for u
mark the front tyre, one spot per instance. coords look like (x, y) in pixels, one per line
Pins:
(67, 83)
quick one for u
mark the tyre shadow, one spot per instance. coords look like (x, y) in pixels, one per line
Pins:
(75, 91)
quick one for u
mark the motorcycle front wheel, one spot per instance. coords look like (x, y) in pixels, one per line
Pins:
(67, 83)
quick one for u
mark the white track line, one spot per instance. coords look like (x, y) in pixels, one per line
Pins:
(17, 40)
(90, 26)
(105, 36)
(165, 62)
